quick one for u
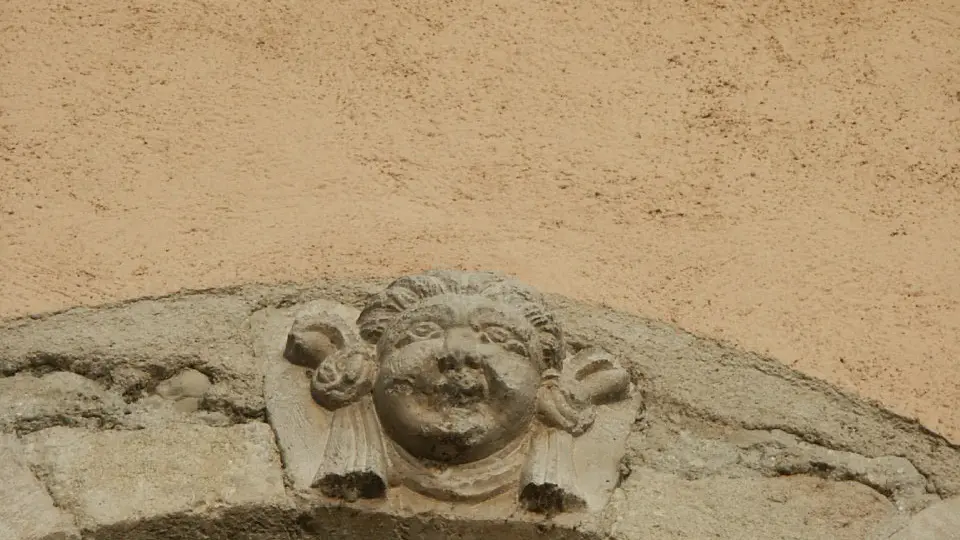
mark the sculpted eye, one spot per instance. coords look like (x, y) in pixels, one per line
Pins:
(425, 330)
(497, 334)
(505, 338)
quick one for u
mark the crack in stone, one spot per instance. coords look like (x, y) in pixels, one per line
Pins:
(94, 400)
(37, 473)
(793, 452)
(41, 478)
(102, 422)
(101, 369)
(816, 441)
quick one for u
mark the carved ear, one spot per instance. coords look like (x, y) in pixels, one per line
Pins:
(312, 339)
(343, 378)
(342, 364)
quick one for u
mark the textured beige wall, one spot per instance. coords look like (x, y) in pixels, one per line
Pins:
(783, 175)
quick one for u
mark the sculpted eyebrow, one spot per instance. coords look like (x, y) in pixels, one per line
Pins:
(487, 316)
(437, 313)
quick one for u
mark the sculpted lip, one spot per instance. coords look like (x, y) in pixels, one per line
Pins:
(402, 385)
(461, 389)
(456, 391)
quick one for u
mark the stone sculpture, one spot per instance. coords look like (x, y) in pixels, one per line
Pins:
(456, 386)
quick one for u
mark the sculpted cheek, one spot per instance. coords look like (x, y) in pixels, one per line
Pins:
(411, 359)
(513, 373)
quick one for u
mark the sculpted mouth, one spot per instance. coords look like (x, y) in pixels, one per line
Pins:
(402, 385)
(460, 390)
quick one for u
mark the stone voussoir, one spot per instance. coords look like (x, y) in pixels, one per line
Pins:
(940, 521)
(27, 512)
(112, 478)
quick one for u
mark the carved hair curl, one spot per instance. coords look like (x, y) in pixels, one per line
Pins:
(407, 291)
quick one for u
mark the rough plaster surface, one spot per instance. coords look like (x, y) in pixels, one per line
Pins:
(729, 444)
(782, 174)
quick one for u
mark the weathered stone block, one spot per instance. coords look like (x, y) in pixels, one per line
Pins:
(27, 512)
(112, 477)
(657, 506)
(131, 348)
(940, 521)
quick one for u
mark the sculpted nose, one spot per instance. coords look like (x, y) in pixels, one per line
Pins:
(459, 349)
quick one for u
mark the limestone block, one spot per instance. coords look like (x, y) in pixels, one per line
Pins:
(940, 521)
(27, 511)
(112, 477)
(652, 505)
(133, 347)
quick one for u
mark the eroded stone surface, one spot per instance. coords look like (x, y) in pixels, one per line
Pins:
(108, 478)
(780, 453)
(29, 403)
(700, 378)
(26, 510)
(676, 458)
(656, 506)
(131, 348)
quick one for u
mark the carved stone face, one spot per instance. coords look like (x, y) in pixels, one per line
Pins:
(458, 378)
